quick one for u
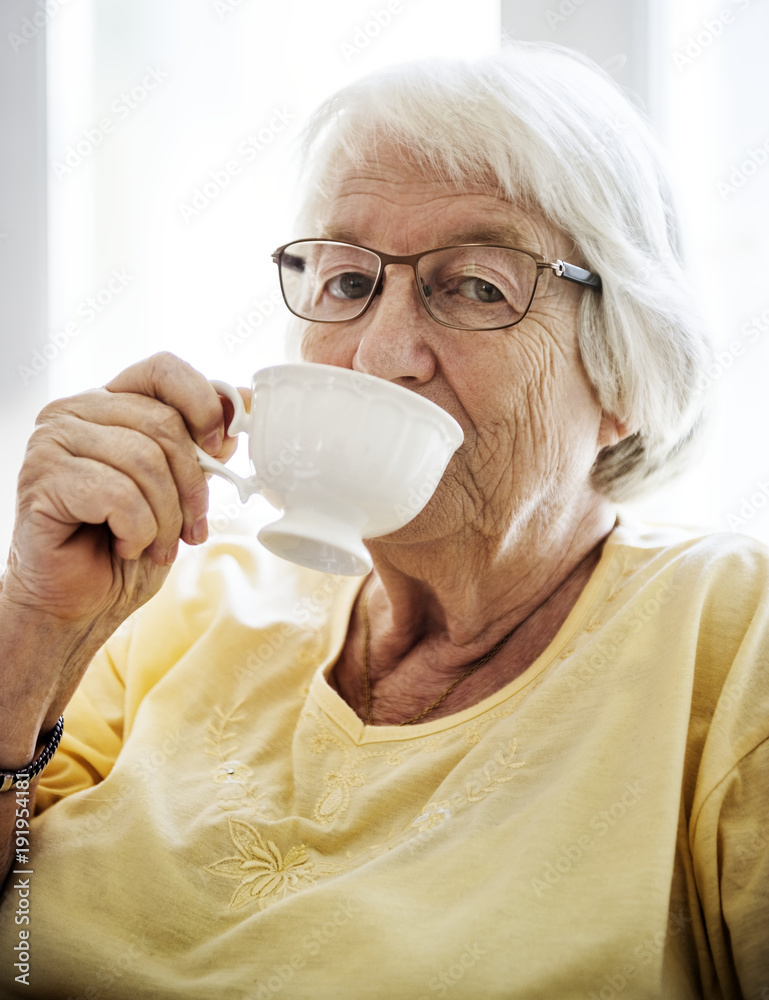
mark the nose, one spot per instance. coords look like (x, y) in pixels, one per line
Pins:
(396, 332)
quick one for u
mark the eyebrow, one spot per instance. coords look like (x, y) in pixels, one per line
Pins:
(507, 236)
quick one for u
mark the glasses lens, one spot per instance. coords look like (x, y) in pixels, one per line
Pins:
(327, 281)
(478, 288)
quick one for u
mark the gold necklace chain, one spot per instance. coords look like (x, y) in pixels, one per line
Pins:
(470, 669)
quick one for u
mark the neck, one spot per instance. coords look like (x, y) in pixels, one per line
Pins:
(435, 607)
(465, 591)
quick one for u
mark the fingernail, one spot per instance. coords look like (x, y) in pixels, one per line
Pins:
(199, 531)
(171, 554)
(213, 443)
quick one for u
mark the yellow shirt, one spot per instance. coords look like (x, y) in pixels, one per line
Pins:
(218, 823)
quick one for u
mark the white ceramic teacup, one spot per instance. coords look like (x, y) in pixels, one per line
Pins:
(344, 456)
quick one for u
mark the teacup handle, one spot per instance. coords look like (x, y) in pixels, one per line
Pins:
(238, 425)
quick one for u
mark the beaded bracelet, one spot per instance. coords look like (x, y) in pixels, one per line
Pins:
(10, 779)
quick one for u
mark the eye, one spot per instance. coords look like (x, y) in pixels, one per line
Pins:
(479, 290)
(350, 285)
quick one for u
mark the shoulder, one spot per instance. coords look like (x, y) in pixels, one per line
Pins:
(713, 598)
(716, 616)
(717, 567)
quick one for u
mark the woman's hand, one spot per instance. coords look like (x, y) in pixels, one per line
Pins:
(109, 485)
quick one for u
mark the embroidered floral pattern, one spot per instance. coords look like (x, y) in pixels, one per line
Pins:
(434, 815)
(505, 763)
(264, 875)
(234, 776)
(336, 801)
(349, 774)
(232, 772)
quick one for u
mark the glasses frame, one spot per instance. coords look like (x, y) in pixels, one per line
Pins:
(560, 268)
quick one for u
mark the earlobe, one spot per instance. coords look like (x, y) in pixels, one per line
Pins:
(611, 431)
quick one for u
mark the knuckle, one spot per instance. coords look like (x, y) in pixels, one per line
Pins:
(150, 459)
(162, 364)
(174, 523)
(48, 413)
(54, 411)
(88, 483)
(166, 423)
(115, 490)
(197, 492)
(68, 406)
(40, 461)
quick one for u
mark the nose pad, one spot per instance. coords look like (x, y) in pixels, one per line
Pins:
(426, 290)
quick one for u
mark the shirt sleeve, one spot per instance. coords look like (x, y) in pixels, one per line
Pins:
(732, 851)
(93, 726)
(729, 827)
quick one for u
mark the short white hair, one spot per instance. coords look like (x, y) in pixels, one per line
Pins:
(552, 131)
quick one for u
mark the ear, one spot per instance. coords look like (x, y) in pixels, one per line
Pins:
(611, 431)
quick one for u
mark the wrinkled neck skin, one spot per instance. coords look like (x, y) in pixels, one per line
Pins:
(471, 589)
(434, 606)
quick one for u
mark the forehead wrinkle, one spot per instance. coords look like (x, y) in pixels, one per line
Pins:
(495, 235)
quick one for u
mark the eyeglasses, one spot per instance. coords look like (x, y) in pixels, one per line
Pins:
(473, 287)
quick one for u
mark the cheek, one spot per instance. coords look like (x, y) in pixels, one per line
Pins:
(557, 386)
(328, 344)
(544, 410)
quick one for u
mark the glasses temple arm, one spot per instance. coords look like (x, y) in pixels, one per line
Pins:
(577, 274)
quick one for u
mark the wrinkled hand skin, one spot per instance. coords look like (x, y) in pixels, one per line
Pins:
(109, 485)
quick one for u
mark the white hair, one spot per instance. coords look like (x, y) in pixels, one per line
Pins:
(550, 130)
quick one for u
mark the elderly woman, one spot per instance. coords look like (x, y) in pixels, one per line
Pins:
(527, 756)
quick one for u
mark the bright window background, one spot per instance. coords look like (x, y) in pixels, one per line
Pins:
(710, 59)
(171, 203)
